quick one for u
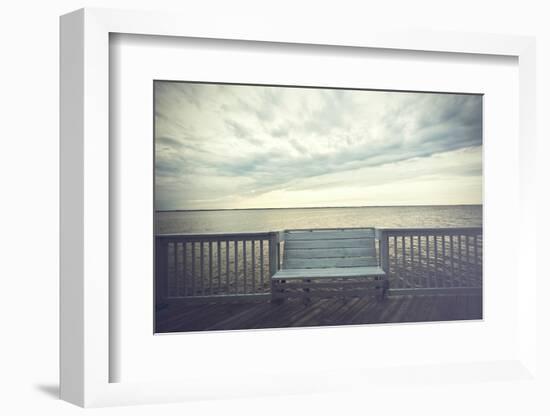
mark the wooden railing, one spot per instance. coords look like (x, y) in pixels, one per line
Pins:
(432, 259)
(230, 265)
(239, 266)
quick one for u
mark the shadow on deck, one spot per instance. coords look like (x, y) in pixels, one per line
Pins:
(321, 312)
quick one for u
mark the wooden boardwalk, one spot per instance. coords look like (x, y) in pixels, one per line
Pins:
(293, 313)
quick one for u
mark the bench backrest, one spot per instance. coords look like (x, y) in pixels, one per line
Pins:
(329, 248)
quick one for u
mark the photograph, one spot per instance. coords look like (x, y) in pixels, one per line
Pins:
(279, 206)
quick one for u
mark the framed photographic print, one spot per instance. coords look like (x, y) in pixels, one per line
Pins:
(228, 197)
(270, 201)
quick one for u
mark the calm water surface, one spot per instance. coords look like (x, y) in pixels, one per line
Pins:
(278, 219)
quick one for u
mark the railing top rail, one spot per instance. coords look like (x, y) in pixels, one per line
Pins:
(327, 229)
(221, 236)
(431, 231)
(379, 231)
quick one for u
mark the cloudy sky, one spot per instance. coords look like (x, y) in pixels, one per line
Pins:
(232, 146)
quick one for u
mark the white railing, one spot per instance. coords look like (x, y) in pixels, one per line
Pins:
(432, 259)
(238, 266)
(230, 265)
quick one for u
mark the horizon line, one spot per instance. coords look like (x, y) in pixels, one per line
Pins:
(324, 207)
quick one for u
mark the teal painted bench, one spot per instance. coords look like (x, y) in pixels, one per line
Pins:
(329, 263)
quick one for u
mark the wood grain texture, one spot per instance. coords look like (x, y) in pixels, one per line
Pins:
(320, 312)
(328, 235)
(330, 262)
(328, 252)
(344, 272)
(366, 242)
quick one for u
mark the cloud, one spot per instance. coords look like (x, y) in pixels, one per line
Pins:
(227, 146)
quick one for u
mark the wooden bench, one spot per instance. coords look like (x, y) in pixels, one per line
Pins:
(328, 263)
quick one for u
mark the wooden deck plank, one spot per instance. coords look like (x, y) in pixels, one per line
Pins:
(426, 308)
(353, 309)
(305, 310)
(239, 319)
(388, 307)
(430, 311)
(380, 311)
(475, 307)
(312, 318)
(435, 314)
(425, 311)
(200, 321)
(280, 314)
(173, 317)
(339, 313)
(370, 310)
(461, 307)
(260, 318)
(446, 306)
(404, 309)
(333, 311)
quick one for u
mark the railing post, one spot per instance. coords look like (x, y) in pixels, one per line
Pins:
(273, 260)
(273, 253)
(161, 276)
(384, 250)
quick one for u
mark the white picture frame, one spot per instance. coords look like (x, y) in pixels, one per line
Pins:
(85, 209)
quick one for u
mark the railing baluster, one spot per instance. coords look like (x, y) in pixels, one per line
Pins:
(452, 261)
(466, 266)
(479, 255)
(428, 270)
(219, 253)
(202, 266)
(180, 268)
(227, 269)
(236, 249)
(403, 261)
(210, 266)
(469, 259)
(419, 265)
(476, 254)
(279, 255)
(460, 265)
(436, 263)
(444, 256)
(184, 264)
(395, 273)
(193, 285)
(244, 266)
(176, 270)
(474, 260)
(385, 253)
(262, 264)
(411, 262)
(253, 242)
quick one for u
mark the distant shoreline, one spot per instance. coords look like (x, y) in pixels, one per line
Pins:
(294, 208)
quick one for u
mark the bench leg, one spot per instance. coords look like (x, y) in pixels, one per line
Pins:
(386, 287)
(382, 289)
(307, 299)
(277, 292)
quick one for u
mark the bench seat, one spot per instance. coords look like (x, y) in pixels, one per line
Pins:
(343, 272)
